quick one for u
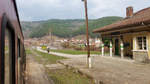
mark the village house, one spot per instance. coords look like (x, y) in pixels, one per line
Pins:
(129, 37)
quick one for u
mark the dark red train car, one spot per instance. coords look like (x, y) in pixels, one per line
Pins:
(12, 56)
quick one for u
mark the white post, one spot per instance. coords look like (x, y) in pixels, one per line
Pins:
(122, 48)
(110, 48)
(90, 62)
(135, 44)
(102, 49)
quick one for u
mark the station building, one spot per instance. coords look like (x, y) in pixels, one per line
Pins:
(129, 37)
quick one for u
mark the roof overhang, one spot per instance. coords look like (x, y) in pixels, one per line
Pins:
(126, 30)
(140, 18)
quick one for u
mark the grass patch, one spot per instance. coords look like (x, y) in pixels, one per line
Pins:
(75, 52)
(61, 76)
(28, 51)
(48, 58)
(68, 76)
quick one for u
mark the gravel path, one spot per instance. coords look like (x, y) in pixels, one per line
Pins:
(112, 70)
(35, 73)
(64, 55)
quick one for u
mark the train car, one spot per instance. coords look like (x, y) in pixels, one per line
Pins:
(12, 52)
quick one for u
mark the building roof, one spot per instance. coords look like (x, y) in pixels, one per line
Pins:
(139, 18)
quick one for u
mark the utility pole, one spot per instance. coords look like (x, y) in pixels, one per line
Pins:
(51, 38)
(87, 35)
(50, 34)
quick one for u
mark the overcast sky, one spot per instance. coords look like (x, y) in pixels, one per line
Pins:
(34, 10)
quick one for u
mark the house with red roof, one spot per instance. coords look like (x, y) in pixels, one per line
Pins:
(129, 37)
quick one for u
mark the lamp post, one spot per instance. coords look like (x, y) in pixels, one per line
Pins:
(87, 35)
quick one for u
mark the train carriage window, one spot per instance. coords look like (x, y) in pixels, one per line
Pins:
(8, 57)
(19, 59)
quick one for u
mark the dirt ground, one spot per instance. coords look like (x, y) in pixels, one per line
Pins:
(35, 73)
(109, 70)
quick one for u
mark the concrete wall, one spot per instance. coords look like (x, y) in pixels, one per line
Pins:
(140, 56)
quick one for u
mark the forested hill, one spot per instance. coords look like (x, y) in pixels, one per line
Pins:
(96, 24)
(64, 28)
(61, 28)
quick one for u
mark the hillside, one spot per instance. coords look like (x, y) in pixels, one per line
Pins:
(64, 28)
(97, 24)
(61, 28)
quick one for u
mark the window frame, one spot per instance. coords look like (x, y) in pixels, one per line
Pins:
(136, 43)
(12, 51)
(19, 59)
(10, 54)
(5, 23)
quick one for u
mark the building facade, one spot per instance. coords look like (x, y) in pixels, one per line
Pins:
(129, 37)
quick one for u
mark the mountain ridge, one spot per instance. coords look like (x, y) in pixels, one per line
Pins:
(65, 27)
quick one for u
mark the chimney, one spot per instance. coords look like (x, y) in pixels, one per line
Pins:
(129, 11)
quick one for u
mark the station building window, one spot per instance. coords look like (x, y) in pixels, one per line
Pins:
(141, 43)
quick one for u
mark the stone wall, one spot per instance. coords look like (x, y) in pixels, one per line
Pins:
(140, 56)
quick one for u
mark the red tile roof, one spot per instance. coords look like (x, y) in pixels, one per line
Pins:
(138, 18)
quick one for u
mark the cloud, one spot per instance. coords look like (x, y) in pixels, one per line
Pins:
(74, 9)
